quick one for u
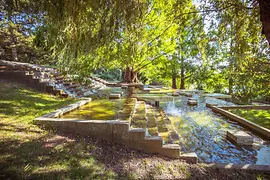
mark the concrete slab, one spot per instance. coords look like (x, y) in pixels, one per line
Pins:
(240, 137)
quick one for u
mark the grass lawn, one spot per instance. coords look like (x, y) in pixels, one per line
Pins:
(27, 151)
(30, 152)
(260, 117)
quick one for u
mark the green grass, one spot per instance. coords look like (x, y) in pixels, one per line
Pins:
(260, 117)
(29, 152)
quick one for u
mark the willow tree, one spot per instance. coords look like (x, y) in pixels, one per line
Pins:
(145, 41)
(79, 33)
(133, 35)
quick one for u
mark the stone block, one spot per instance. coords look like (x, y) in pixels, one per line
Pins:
(181, 93)
(175, 94)
(211, 104)
(114, 96)
(192, 102)
(240, 137)
(152, 144)
(188, 94)
(170, 150)
(147, 89)
(190, 157)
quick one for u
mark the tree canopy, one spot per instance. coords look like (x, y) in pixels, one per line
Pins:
(216, 45)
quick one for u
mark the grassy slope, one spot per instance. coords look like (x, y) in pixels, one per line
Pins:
(29, 152)
(260, 117)
(26, 151)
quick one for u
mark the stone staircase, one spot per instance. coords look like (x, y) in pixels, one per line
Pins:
(155, 121)
(151, 125)
(47, 79)
(139, 116)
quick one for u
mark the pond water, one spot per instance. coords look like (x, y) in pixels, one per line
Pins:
(204, 132)
(102, 109)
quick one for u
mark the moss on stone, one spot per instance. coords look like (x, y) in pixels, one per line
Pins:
(103, 109)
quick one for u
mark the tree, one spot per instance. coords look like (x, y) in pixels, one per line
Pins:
(265, 17)
(18, 22)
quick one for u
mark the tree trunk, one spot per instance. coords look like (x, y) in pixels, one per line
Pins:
(265, 17)
(182, 79)
(230, 85)
(174, 81)
(130, 76)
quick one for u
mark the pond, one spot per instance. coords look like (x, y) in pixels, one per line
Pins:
(204, 132)
(102, 109)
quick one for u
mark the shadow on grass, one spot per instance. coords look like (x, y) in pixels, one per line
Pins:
(53, 159)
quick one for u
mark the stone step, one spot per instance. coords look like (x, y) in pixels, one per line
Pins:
(128, 109)
(139, 116)
(240, 137)
(192, 102)
(151, 121)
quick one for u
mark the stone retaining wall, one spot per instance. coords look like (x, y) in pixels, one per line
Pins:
(263, 107)
(115, 131)
(24, 78)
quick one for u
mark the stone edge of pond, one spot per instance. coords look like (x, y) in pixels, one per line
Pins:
(67, 109)
(247, 167)
(117, 131)
(242, 121)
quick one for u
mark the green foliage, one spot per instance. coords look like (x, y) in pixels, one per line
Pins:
(19, 20)
(214, 45)
(109, 74)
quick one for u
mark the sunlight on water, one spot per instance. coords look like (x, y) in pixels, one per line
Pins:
(204, 132)
(172, 109)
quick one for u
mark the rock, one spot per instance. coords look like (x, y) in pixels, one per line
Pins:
(240, 137)
(175, 94)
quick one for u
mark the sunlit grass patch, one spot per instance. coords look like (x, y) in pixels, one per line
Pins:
(260, 117)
